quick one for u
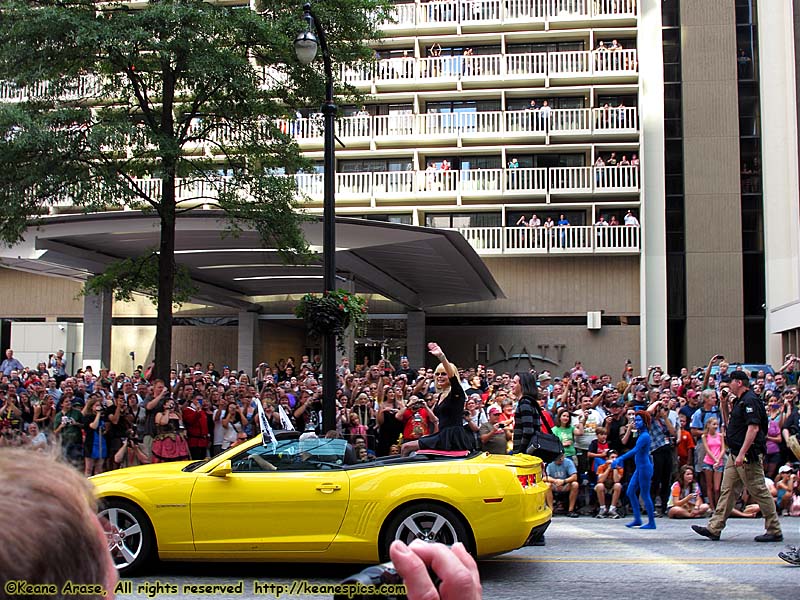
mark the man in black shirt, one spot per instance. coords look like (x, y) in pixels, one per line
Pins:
(746, 439)
(405, 369)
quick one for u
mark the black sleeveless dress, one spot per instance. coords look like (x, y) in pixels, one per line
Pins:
(450, 412)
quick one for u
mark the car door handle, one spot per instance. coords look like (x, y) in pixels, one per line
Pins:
(328, 488)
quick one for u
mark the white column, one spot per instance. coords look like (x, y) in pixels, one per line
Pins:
(248, 338)
(97, 331)
(779, 171)
(653, 263)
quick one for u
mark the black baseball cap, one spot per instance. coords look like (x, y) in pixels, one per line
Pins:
(740, 376)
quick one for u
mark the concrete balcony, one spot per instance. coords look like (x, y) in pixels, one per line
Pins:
(434, 73)
(582, 239)
(85, 87)
(608, 66)
(490, 185)
(465, 128)
(493, 70)
(491, 15)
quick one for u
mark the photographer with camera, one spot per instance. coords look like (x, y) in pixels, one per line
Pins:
(196, 422)
(120, 420)
(495, 435)
(417, 419)
(130, 453)
(67, 426)
(661, 431)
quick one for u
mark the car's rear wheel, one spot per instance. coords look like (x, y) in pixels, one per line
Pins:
(129, 535)
(427, 522)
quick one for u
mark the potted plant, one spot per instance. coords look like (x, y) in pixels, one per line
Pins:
(331, 313)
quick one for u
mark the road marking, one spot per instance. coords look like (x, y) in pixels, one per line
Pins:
(688, 561)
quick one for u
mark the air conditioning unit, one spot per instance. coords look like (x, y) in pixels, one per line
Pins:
(593, 319)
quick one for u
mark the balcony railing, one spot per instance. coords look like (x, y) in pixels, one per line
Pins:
(496, 124)
(429, 72)
(581, 239)
(538, 65)
(490, 12)
(489, 183)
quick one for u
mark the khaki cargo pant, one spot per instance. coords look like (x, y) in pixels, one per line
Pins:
(750, 476)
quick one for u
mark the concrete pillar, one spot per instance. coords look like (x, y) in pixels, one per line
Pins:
(349, 339)
(248, 341)
(97, 331)
(415, 336)
(653, 281)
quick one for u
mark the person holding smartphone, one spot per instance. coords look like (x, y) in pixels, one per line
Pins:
(686, 500)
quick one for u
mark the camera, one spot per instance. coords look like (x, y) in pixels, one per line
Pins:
(374, 576)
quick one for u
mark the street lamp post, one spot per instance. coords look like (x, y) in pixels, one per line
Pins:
(305, 46)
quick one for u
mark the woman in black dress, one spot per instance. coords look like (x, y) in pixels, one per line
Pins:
(448, 409)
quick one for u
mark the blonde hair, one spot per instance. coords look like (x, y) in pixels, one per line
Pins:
(439, 388)
(707, 426)
(55, 509)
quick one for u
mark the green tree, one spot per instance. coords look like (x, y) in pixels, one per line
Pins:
(114, 102)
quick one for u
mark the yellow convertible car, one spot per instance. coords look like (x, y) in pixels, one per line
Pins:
(299, 500)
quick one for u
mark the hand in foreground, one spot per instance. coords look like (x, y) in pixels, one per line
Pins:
(454, 566)
(434, 349)
(615, 463)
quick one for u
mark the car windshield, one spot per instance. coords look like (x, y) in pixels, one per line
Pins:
(291, 455)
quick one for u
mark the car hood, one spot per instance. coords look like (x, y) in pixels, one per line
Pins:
(165, 468)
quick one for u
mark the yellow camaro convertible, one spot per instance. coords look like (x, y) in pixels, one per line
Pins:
(300, 500)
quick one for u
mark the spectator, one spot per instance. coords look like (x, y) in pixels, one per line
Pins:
(495, 435)
(130, 453)
(609, 480)
(418, 420)
(95, 450)
(563, 479)
(713, 461)
(661, 431)
(37, 439)
(684, 448)
(686, 500)
(67, 425)
(630, 219)
(566, 432)
(196, 423)
(10, 364)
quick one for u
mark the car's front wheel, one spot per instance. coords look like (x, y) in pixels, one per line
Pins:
(427, 522)
(129, 535)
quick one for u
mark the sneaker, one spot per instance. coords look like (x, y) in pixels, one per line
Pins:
(613, 514)
(769, 537)
(791, 556)
(603, 513)
(705, 533)
(574, 515)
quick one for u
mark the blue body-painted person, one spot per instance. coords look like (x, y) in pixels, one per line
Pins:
(643, 475)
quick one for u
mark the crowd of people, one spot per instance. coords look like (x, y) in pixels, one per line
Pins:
(108, 420)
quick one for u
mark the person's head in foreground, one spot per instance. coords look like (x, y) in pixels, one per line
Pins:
(55, 506)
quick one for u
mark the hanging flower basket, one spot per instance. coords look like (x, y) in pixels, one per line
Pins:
(332, 313)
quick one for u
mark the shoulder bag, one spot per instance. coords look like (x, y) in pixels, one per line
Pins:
(546, 446)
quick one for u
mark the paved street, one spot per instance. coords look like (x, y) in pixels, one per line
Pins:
(584, 558)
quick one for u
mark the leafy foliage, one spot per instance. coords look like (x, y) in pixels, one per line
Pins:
(162, 107)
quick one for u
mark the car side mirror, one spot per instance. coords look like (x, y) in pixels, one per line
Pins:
(222, 470)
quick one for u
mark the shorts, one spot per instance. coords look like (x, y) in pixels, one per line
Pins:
(773, 459)
(708, 467)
